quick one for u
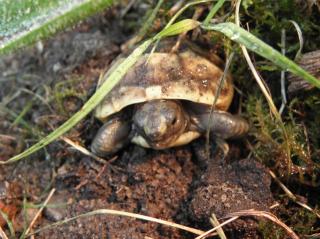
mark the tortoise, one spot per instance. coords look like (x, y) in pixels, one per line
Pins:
(165, 100)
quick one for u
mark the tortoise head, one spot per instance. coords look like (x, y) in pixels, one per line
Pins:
(160, 122)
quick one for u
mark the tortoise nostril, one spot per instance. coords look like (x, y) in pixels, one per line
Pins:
(155, 135)
(174, 121)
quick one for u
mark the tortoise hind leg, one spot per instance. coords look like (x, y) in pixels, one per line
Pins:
(111, 137)
(224, 125)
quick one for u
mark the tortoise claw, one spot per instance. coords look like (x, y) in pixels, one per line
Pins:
(223, 145)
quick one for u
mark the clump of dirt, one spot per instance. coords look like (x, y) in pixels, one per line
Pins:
(225, 188)
(225, 185)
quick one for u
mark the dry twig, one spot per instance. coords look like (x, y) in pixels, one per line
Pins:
(2, 234)
(267, 215)
(40, 211)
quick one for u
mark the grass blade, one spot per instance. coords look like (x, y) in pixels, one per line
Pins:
(23, 22)
(120, 213)
(214, 9)
(177, 28)
(254, 44)
(9, 223)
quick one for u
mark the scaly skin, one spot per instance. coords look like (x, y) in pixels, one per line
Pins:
(162, 124)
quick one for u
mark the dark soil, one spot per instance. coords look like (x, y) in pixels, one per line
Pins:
(50, 82)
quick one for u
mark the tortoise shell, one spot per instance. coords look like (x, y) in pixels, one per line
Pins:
(186, 75)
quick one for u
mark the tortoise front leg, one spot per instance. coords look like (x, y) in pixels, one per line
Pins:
(111, 137)
(224, 125)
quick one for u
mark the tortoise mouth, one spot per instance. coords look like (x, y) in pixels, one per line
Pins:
(164, 142)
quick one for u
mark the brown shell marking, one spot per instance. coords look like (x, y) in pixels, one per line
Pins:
(185, 76)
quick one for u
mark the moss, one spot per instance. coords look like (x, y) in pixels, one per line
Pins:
(303, 221)
(300, 220)
(270, 231)
(65, 91)
(270, 144)
(309, 105)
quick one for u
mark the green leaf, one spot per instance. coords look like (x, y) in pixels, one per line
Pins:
(101, 92)
(214, 9)
(23, 22)
(178, 28)
(254, 44)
